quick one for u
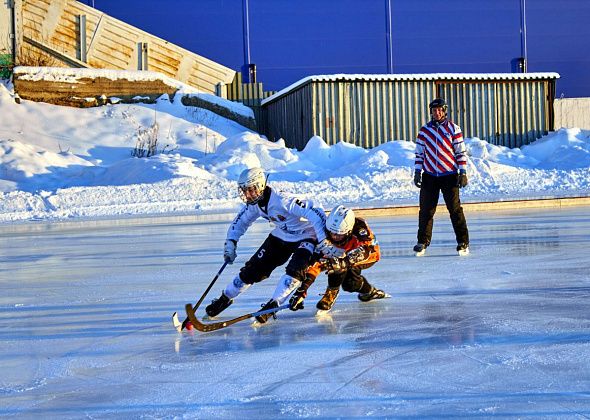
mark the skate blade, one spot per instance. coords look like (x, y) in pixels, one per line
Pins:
(324, 317)
(420, 254)
(387, 296)
(463, 253)
(323, 313)
(257, 324)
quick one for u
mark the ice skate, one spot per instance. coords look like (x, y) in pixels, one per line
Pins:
(463, 249)
(419, 249)
(373, 295)
(218, 305)
(327, 301)
(261, 319)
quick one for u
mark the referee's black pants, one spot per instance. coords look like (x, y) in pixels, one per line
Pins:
(429, 193)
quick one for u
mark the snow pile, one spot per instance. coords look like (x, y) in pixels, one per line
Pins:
(59, 162)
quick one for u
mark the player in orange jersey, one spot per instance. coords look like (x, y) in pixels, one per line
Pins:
(361, 251)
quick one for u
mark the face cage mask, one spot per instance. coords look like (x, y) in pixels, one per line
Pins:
(252, 194)
(338, 239)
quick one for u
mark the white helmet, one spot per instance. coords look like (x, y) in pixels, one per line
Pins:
(339, 223)
(252, 183)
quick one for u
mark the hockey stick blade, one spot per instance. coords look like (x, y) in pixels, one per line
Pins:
(176, 321)
(213, 326)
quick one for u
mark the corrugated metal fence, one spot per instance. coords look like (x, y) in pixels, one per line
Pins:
(505, 109)
(507, 113)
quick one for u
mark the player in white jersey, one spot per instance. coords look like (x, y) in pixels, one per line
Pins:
(299, 227)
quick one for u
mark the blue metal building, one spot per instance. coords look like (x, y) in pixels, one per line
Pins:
(288, 40)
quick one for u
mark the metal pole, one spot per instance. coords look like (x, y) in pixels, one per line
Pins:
(388, 37)
(246, 36)
(12, 6)
(523, 47)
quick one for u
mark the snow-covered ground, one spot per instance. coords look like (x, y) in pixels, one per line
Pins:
(63, 163)
(86, 333)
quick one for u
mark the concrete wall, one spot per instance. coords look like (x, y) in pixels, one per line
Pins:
(572, 112)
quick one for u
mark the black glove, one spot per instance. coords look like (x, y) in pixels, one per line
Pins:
(356, 255)
(462, 179)
(337, 265)
(296, 301)
(229, 251)
(328, 249)
(418, 178)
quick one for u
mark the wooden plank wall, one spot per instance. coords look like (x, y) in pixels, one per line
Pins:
(250, 94)
(90, 87)
(572, 113)
(51, 27)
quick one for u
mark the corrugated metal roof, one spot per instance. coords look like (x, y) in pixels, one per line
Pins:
(412, 77)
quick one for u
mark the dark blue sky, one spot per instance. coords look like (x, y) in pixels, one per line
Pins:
(291, 39)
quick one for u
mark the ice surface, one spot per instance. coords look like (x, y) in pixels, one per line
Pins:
(85, 325)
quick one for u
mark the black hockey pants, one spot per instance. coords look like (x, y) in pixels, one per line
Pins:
(429, 193)
(275, 252)
(351, 280)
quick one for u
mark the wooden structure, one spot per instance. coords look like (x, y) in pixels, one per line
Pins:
(67, 33)
(94, 87)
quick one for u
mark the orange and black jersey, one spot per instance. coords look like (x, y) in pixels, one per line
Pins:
(361, 237)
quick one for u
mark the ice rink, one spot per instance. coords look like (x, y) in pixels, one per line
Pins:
(85, 327)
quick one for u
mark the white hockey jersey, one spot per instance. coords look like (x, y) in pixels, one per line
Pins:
(294, 218)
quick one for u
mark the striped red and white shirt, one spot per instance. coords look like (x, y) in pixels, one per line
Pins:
(440, 149)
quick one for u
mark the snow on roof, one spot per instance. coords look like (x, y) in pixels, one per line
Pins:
(409, 76)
